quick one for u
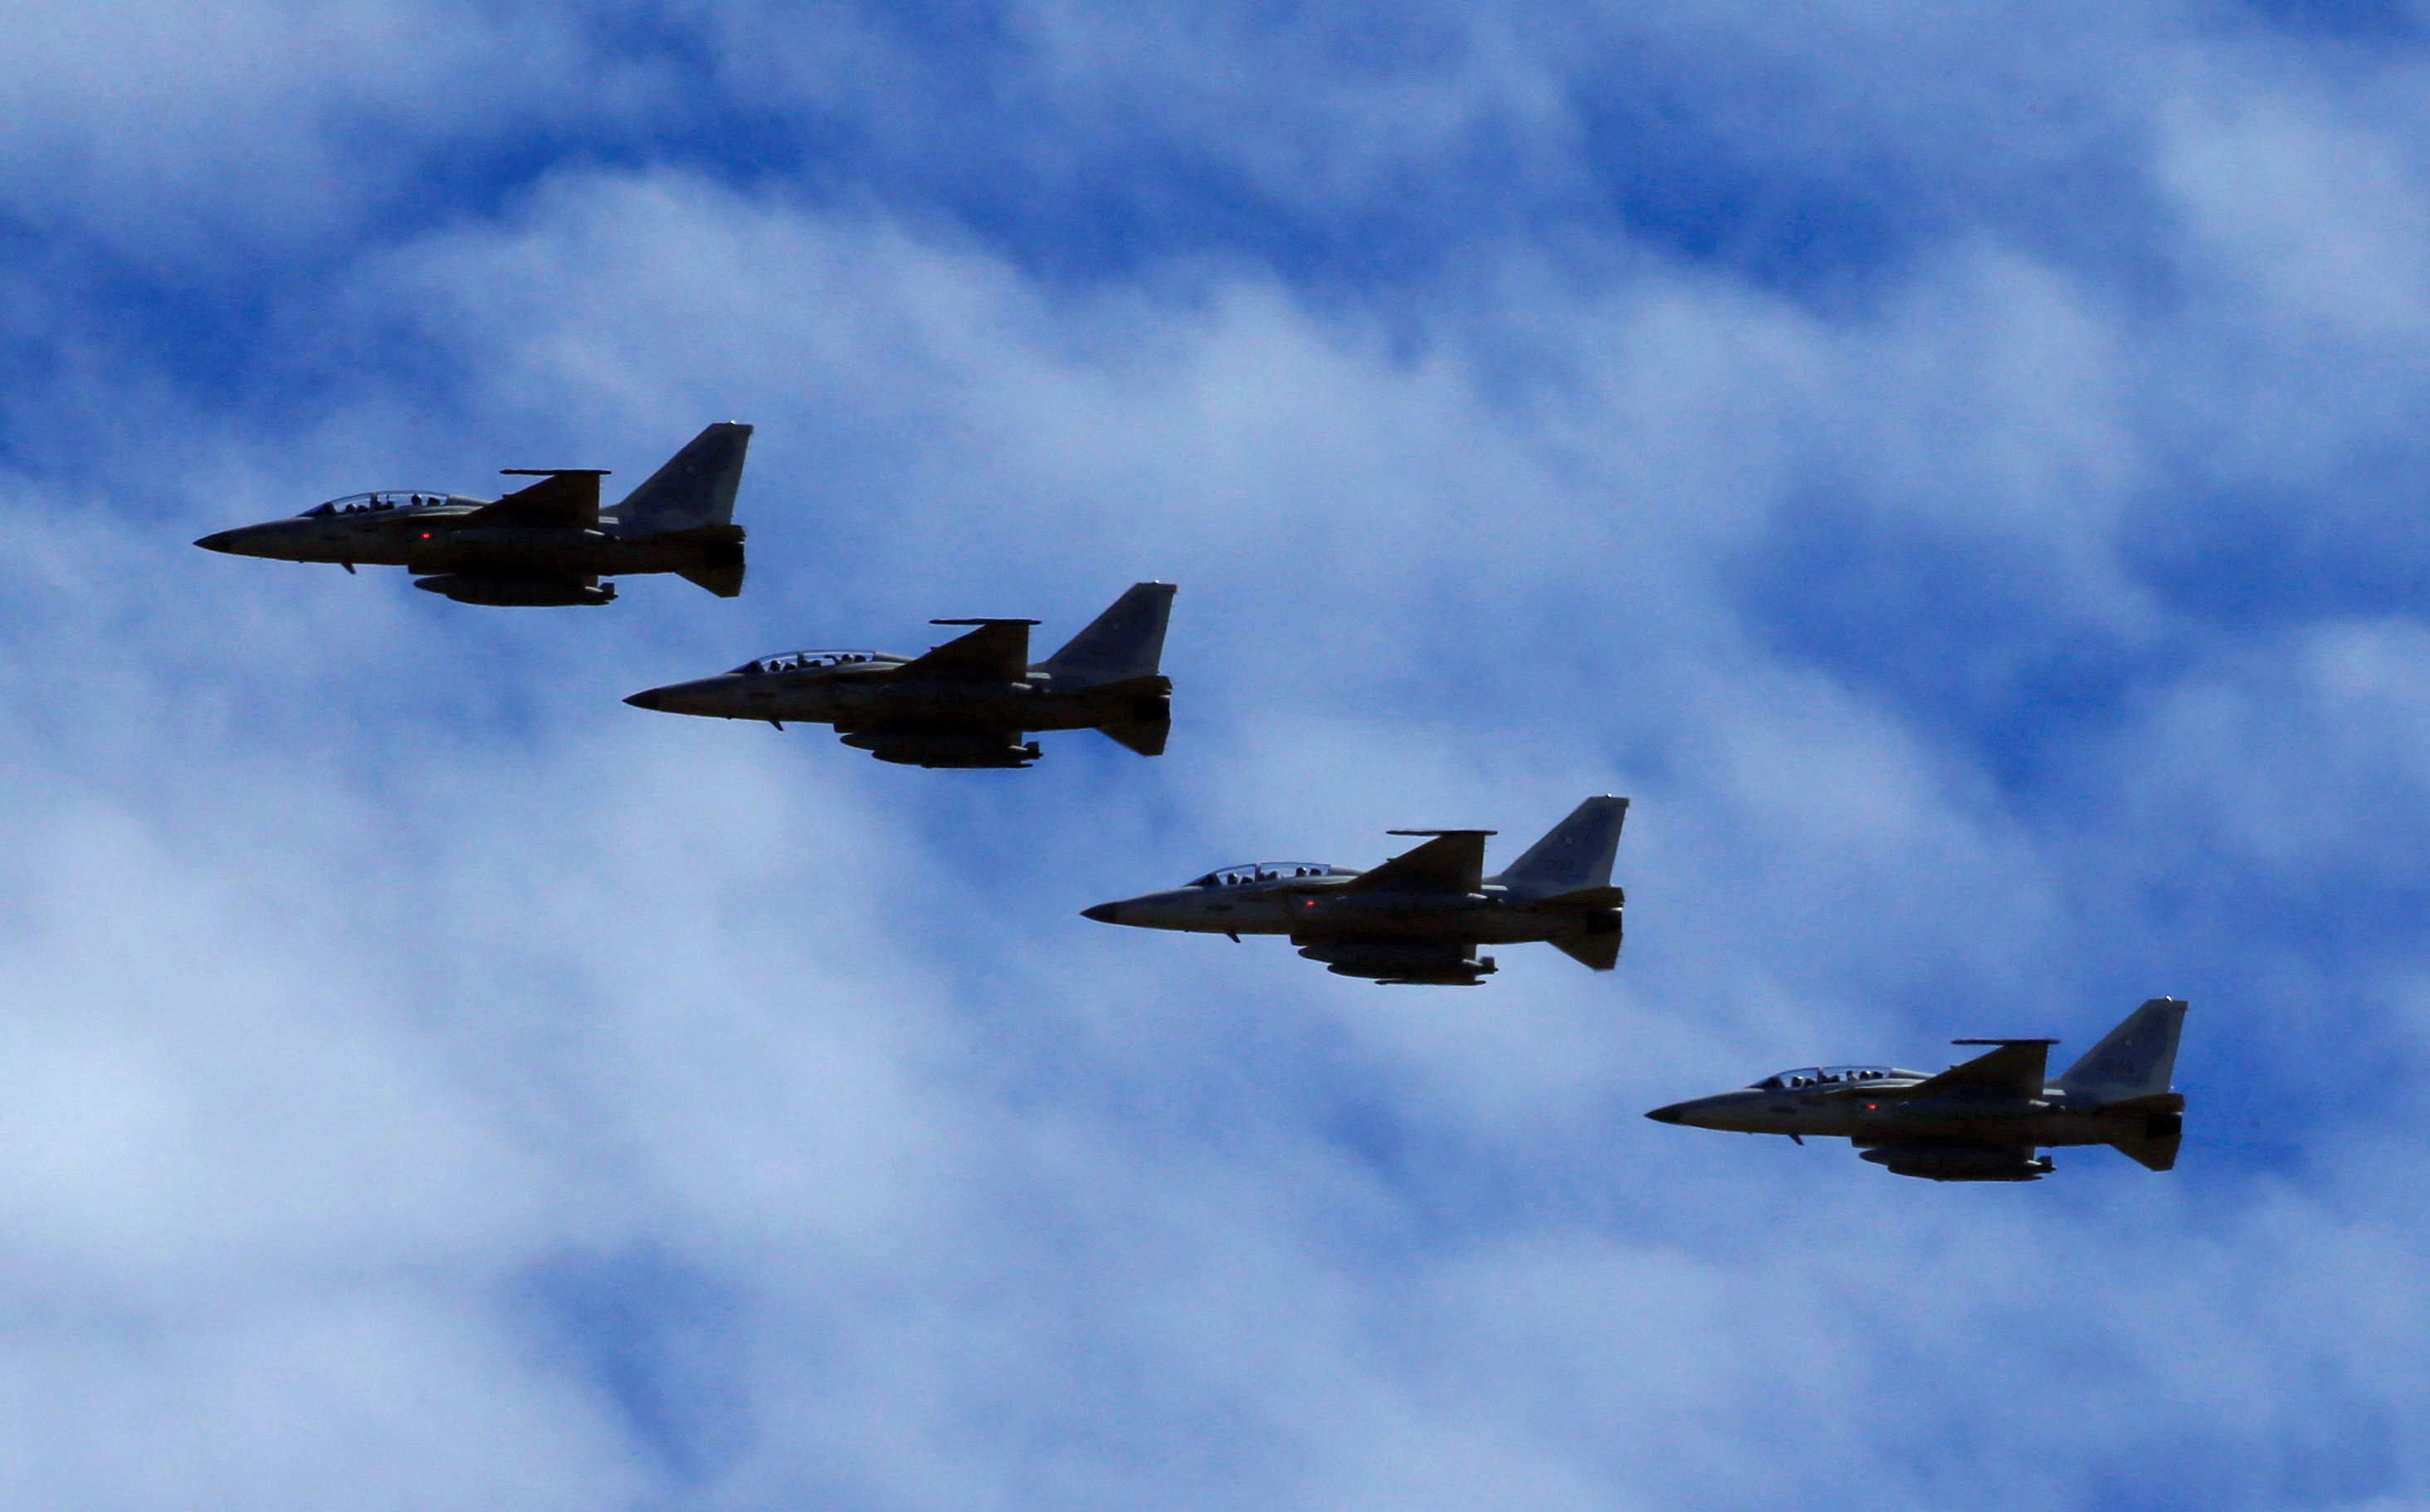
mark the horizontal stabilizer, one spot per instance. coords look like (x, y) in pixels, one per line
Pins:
(2152, 1144)
(1451, 862)
(997, 651)
(1584, 898)
(1152, 687)
(725, 582)
(1596, 952)
(2156, 1103)
(1146, 736)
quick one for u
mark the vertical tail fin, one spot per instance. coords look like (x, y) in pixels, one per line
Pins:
(1574, 855)
(695, 489)
(1127, 640)
(2136, 1059)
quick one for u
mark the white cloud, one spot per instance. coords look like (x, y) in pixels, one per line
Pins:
(430, 1081)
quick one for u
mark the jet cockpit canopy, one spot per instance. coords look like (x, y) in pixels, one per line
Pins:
(805, 661)
(1233, 876)
(1829, 1076)
(367, 503)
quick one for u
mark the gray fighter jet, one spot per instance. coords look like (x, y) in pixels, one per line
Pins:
(968, 701)
(1981, 1121)
(544, 544)
(1418, 919)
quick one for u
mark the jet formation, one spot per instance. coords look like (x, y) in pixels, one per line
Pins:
(547, 544)
(1418, 919)
(1981, 1121)
(968, 703)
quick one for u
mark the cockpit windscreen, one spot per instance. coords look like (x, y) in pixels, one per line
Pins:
(373, 503)
(1233, 876)
(806, 662)
(1830, 1076)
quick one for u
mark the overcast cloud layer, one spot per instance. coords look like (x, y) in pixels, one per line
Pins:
(1957, 471)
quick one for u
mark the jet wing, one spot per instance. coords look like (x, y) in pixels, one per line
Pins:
(997, 651)
(2018, 1067)
(559, 498)
(1453, 861)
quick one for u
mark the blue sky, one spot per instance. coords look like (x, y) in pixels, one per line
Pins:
(1956, 470)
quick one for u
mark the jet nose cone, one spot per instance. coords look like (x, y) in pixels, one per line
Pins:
(217, 540)
(647, 698)
(1103, 913)
(1664, 1115)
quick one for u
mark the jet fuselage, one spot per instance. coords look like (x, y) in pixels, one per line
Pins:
(1324, 905)
(547, 543)
(967, 703)
(1983, 1119)
(870, 692)
(1880, 1110)
(433, 537)
(1416, 919)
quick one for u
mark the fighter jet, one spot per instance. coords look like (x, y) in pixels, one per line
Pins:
(1418, 919)
(1981, 1121)
(543, 544)
(968, 701)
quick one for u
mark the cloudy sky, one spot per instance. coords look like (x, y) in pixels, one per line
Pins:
(1957, 470)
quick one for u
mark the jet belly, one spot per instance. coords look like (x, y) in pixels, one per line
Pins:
(861, 702)
(1464, 918)
(2015, 1120)
(515, 551)
(980, 706)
